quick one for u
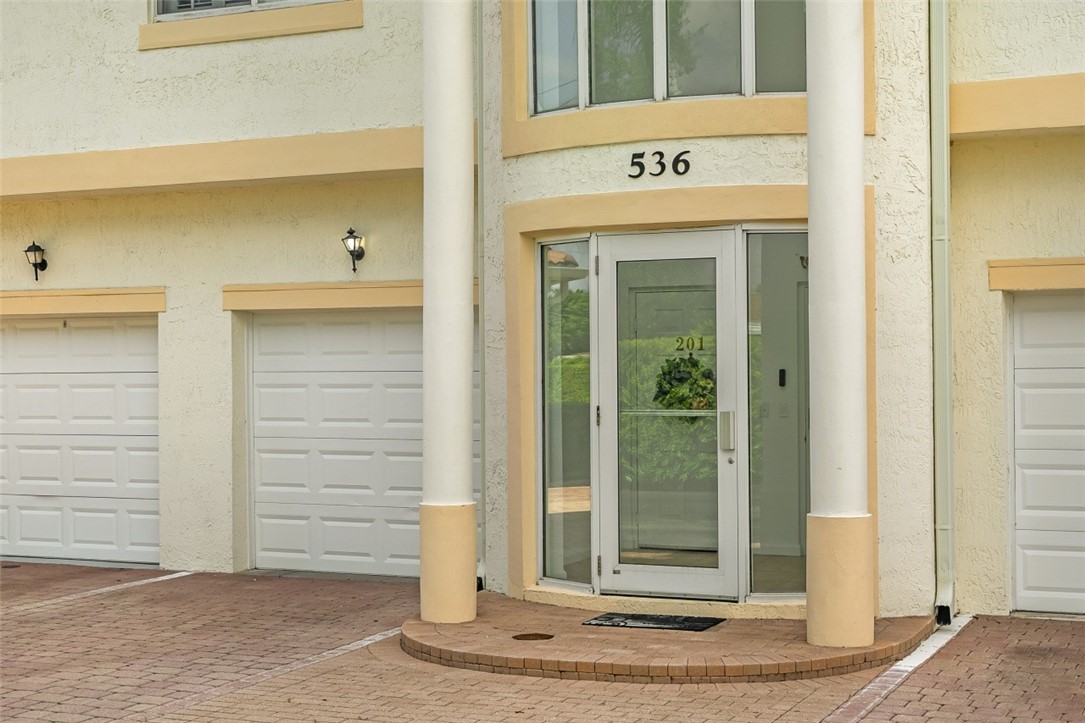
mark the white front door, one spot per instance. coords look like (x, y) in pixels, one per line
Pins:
(1049, 452)
(668, 414)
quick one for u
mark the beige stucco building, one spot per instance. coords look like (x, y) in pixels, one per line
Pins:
(198, 380)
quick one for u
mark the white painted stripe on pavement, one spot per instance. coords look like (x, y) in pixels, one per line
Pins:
(877, 690)
(92, 593)
(263, 675)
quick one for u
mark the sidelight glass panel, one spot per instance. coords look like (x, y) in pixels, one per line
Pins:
(566, 412)
(555, 47)
(667, 443)
(780, 46)
(778, 395)
(704, 47)
(620, 38)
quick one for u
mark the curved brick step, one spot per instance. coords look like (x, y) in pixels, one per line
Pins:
(732, 652)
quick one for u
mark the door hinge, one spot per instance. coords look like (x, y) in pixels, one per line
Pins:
(598, 564)
(598, 416)
(597, 265)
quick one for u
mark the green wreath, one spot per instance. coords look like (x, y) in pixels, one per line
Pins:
(683, 383)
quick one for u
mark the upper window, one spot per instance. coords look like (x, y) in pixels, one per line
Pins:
(195, 8)
(590, 52)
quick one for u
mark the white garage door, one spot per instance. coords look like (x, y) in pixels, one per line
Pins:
(78, 439)
(1049, 442)
(337, 427)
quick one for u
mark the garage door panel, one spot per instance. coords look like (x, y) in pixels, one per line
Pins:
(360, 405)
(1050, 573)
(388, 340)
(80, 528)
(337, 440)
(1048, 330)
(79, 446)
(381, 473)
(331, 538)
(1050, 408)
(80, 466)
(80, 345)
(125, 404)
(1051, 490)
(1049, 452)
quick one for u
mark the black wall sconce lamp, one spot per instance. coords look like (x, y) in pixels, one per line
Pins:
(36, 256)
(355, 247)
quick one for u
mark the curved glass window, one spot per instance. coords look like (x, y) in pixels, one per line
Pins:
(594, 52)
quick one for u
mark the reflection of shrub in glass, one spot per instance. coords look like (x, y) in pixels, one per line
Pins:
(567, 323)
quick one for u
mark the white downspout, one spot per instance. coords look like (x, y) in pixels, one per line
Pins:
(480, 255)
(941, 302)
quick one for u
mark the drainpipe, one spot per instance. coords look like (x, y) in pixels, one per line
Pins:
(941, 302)
(480, 241)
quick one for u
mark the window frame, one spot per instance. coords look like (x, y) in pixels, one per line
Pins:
(748, 60)
(253, 6)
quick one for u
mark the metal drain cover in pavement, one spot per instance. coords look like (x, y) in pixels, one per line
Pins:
(659, 622)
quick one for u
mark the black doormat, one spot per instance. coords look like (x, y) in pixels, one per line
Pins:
(658, 622)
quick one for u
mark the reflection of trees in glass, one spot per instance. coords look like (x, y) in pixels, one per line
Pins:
(567, 323)
(622, 47)
(621, 50)
(704, 41)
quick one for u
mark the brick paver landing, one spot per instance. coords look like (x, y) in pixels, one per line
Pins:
(735, 651)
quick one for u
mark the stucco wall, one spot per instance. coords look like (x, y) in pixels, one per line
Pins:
(993, 39)
(193, 243)
(897, 163)
(898, 158)
(1012, 198)
(73, 71)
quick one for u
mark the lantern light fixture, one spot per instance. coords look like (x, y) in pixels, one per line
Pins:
(35, 255)
(355, 246)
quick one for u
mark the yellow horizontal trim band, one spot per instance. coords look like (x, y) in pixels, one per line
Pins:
(324, 156)
(1048, 102)
(249, 25)
(301, 297)
(664, 208)
(83, 302)
(1036, 274)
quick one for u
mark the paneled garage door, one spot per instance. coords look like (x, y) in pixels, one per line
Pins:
(337, 449)
(1049, 442)
(79, 439)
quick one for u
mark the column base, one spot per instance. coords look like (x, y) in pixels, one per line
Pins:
(839, 581)
(448, 540)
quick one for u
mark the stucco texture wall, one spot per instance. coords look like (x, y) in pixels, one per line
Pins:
(996, 39)
(73, 70)
(899, 169)
(1011, 198)
(194, 243)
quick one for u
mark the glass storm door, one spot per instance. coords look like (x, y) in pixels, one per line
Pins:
(667, 414)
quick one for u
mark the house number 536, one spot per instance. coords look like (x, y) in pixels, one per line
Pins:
(658, 164)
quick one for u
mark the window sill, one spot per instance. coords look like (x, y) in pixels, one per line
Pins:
(248, 26)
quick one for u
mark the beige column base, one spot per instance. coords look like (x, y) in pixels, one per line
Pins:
(839, 581)
(448, 570)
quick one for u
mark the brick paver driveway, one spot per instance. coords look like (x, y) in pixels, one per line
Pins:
(92, 644)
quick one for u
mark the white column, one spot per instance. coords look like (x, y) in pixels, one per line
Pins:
(840, 562)
(447, 514)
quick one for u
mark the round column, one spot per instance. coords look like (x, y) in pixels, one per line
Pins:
(839, 597)
(447, 515)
